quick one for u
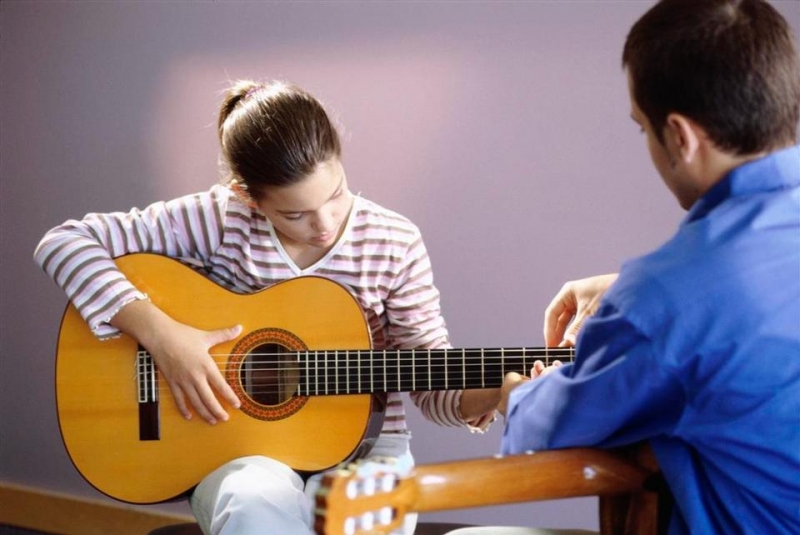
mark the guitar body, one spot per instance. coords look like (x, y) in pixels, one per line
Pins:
(97, 389)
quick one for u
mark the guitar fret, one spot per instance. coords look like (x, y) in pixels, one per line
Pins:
(446, 374)
(463, 369)
(326, 370)
(399, 374)
(483, 369)
(413, 362)
(430, 374)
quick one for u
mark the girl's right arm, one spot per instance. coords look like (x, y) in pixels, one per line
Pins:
(78, 256)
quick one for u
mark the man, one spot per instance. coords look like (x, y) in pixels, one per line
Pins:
(695, 347)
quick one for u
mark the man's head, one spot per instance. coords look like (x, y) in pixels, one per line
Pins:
(731, 66)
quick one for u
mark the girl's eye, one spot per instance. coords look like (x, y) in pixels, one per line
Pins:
(293, 217)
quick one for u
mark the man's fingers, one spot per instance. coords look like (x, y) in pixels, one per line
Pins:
(571, 333)
(557, 315)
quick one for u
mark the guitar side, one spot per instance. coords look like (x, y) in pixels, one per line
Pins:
(97, 395)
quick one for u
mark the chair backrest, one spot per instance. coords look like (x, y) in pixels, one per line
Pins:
(372, 497)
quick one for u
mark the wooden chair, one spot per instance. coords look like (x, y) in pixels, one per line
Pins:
(372, 499)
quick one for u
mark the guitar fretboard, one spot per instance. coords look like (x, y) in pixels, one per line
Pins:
(369, 371)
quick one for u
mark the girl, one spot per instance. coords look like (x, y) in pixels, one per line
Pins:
(283, 210)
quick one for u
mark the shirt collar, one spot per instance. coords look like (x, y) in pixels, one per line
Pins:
(778, 170)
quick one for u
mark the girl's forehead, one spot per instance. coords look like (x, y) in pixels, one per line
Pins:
(309, 194)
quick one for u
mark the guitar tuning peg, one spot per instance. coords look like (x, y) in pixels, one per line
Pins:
(367, 521)
(369, 486)
(386, 515)
(351, 490)
(388, 482)
(350, 526)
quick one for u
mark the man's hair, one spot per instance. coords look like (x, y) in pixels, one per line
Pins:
(729, 65)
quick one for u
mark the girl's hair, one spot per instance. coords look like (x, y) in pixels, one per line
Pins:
(273, 134)
(730, 65)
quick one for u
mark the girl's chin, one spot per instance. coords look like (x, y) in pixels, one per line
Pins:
(321, 242)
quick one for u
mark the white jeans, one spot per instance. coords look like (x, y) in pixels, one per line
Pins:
(261, 496)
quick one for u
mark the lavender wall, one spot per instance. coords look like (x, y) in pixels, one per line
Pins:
(501, 128)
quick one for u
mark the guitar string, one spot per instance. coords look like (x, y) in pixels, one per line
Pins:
(361, 384)
(412, 353)
(434, 378)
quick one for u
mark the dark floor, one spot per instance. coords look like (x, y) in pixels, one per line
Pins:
(11, 530)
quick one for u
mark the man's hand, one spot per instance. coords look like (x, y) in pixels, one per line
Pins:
(576, 301)
(514, 379)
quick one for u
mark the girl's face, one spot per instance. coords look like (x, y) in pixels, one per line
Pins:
(312, 212)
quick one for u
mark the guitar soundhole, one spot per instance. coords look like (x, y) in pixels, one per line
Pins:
(269, 375)
(263, 372)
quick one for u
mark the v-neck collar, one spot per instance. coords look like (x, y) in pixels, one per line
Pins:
(332, 251)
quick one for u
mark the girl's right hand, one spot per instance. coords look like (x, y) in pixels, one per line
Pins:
(182, 357)
(181, 353)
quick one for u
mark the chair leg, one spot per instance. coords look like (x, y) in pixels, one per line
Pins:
(438, 528)
(190, 528)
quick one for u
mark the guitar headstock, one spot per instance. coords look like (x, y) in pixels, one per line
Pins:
(368, 497)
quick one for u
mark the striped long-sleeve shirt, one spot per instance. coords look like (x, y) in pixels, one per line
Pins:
(380, 256)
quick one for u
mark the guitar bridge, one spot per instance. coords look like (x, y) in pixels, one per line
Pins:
(147, 387)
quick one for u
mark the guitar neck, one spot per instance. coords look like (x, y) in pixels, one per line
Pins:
(412, 370)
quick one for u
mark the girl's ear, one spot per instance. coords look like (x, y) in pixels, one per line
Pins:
(242, 193)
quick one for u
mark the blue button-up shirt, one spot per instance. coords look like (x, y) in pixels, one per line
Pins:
(696, 349)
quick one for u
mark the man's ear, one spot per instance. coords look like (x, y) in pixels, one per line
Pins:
(685, 135)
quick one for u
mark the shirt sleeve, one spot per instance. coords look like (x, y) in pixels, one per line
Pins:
(615, 393)
(416, 321)
(78, 255)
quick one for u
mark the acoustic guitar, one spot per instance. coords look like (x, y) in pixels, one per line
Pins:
(312, 389)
